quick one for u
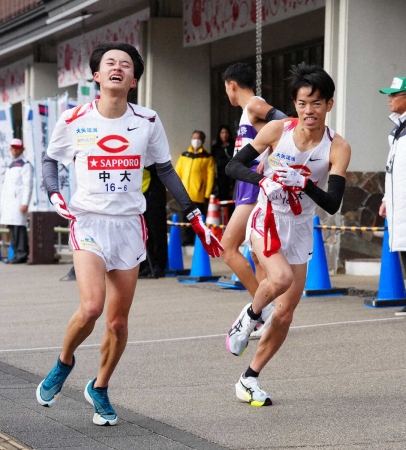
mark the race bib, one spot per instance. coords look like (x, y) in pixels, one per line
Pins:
(114, 174)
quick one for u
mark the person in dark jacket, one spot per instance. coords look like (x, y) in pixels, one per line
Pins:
(155, 217)
(223, 151)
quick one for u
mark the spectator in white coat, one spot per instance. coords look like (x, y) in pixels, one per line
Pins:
(394, 202)
(15, 198)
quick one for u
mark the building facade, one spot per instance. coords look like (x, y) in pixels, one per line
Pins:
(45, 44)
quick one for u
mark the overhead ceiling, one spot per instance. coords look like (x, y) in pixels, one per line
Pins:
(57, 20)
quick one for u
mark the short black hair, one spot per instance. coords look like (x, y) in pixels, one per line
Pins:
(314, 76)
(202, 135)
(104, 47)
(242, 74)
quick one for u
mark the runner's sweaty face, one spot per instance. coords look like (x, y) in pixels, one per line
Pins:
(116, 71)
(311, 109)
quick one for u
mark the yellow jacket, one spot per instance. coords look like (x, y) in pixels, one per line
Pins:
(197, 170)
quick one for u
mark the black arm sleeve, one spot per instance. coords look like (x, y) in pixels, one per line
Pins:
(237, 167)
(172, 182)
(330, 201)
(50, 174)
(275, 114)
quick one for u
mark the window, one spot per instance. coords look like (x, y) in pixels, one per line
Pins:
(275, 70)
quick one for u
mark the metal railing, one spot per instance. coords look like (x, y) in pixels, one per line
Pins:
(4, 244)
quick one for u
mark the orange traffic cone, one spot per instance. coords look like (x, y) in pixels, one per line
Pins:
(213, 217)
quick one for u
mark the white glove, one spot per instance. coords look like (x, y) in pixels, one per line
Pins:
(59, 204)
(289, 176)
(271, 189)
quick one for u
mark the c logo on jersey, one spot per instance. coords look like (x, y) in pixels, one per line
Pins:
(113, 149)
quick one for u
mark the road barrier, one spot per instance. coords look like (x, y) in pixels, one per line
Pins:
(201, 269)
(318, 278)
(391, 291)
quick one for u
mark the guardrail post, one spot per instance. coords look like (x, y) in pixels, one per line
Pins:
(42, 236)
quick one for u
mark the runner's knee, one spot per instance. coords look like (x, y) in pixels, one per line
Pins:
(117, 326)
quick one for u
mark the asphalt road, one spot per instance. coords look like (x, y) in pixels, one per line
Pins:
(337, 382)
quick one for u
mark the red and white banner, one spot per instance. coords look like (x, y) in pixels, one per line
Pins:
(39, 120)
(209, 20)
(6, 134)
(74, 54)
(12, 79)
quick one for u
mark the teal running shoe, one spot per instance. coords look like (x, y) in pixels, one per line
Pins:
(49, 388)
(104, 413)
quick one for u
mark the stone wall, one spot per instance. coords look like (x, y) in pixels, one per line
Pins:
(362, 198)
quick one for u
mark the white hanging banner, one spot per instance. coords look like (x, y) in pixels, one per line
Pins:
(6, 134)
(12, 79)
(39, 120)
(35, 114)
(209, 20)
(74, 54)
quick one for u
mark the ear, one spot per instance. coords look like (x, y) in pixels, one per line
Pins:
(134, 83)
(233, 85)
(330, 104)
(96, 76)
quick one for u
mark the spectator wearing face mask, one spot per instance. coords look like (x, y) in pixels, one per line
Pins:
(196, 169)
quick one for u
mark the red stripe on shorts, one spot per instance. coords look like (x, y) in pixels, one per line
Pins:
(144, 229)
(72, 235)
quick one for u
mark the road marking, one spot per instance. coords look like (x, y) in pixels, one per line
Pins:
(209, 336)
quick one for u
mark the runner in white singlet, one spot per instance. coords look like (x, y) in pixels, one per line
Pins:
(301, 154)
(239, 82)
(109, 141)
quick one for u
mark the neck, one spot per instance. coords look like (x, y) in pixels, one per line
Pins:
(244, 98)
(302, 132)
(305, 138)
(111, 107)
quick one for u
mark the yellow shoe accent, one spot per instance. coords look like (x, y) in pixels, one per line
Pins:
(256, 403)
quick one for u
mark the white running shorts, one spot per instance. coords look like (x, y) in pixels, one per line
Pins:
(120, 241)
(295, 233)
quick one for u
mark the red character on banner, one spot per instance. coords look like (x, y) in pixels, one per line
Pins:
(253, 11)
(236, 11)
(197, 13)
(4, 96)
(68, 57)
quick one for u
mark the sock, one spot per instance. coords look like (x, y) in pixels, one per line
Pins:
(62, 364)
(251, 373)
(251, 313)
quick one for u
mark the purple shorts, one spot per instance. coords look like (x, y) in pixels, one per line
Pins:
(246, 193)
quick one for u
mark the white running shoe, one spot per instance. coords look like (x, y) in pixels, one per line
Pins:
(264, 322)
(239, 334)
(248, 390)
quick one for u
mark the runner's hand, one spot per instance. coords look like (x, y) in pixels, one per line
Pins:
(60, 206)
(289, 176)
(207, 238)
(271, 189)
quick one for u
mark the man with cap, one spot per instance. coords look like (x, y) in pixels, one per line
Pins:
(393, 205)
(15, 198)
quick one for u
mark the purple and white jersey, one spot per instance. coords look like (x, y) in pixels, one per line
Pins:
(246, 132)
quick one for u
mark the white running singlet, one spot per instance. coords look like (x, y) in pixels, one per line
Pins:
(313, 163)
(109, 156)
